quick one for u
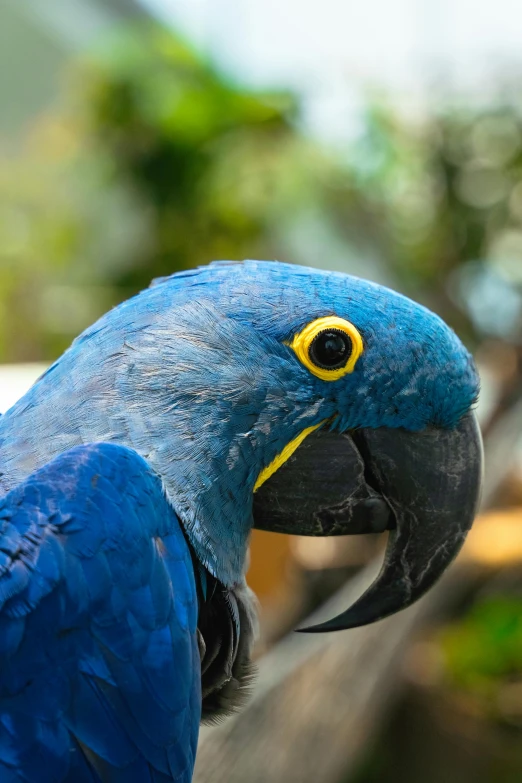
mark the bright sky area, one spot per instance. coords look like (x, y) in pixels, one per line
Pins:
(328, 49)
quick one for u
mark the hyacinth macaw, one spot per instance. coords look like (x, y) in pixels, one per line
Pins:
(131, 474)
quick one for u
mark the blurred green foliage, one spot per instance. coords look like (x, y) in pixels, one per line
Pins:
(482, 656)
(441, 197)
(461, 720)
(197, 152)
(156, 162)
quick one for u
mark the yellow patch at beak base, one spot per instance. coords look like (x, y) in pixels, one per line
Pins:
(285, 454)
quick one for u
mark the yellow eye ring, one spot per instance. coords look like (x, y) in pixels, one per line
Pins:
(323, 342)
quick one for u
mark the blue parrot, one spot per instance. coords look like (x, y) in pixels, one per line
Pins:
(131, 474)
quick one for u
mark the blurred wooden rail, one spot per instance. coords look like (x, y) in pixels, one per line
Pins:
(320, 698)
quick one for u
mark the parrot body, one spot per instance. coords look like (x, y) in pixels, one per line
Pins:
(98, 613)
(128, 475)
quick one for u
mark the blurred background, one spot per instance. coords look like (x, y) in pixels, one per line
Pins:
(139, 137)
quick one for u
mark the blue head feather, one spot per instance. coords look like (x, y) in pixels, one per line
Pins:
(194, 374)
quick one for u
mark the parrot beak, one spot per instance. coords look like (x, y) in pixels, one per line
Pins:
(424, 487)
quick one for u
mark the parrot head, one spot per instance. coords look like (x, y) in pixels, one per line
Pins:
(289, 399)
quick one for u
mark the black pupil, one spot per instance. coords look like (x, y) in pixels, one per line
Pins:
(331, 349)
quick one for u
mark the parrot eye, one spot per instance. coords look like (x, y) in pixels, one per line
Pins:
(329, 347)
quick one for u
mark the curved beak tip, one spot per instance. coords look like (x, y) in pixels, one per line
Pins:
(432, 481)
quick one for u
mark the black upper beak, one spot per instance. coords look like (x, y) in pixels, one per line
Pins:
(422, 486)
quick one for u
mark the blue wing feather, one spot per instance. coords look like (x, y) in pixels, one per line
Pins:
(99, 663)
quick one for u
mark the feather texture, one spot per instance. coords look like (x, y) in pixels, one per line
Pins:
(99, 663)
